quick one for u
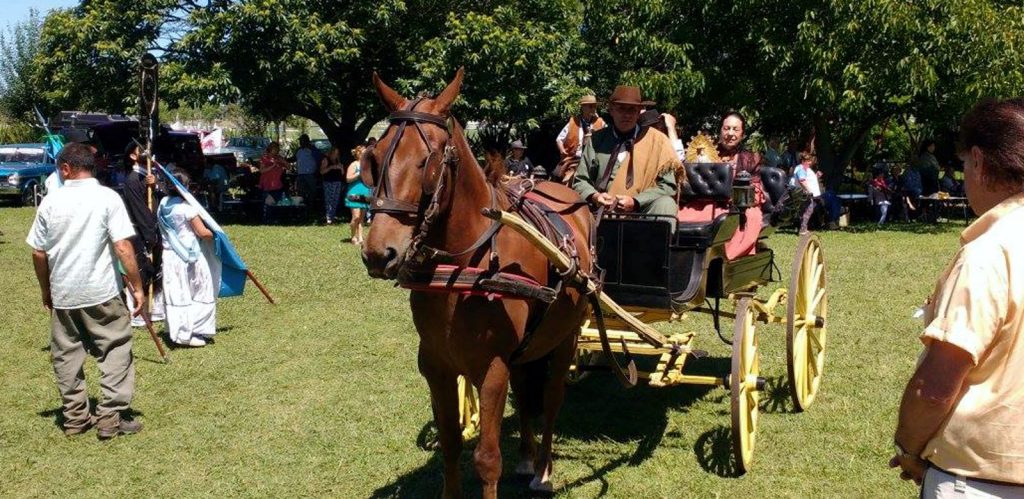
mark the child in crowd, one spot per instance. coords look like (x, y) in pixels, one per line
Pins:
(189, 295)
(807, 179)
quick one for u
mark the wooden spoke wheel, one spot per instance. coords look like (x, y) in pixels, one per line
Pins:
(469, 409)
(745, 386)
(806, 324)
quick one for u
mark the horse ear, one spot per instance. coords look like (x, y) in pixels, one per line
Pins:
(391, 99)
(447, 97)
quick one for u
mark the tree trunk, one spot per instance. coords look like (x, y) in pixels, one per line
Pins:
(834, 156)
(824, 148)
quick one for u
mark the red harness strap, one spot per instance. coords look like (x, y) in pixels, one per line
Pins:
(473, 281)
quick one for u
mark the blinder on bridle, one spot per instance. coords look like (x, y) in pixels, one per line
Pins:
(433, 167)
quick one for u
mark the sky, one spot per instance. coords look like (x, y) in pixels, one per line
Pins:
(15, 11)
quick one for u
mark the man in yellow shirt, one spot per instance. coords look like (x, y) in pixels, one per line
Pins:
(961, 421)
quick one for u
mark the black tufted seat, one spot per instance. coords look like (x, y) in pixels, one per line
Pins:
(775, 182)
(705, 194)
(711, 181)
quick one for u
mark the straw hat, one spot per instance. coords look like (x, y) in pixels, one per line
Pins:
(588, 99)
(518, 145)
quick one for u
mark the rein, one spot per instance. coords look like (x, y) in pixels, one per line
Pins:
(432, 184)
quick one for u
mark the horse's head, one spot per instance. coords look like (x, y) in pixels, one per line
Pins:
(407, 170)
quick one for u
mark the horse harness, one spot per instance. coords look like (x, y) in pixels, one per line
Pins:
(432, 183)
(430, 271)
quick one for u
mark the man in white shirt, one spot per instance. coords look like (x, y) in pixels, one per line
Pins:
(77, 230)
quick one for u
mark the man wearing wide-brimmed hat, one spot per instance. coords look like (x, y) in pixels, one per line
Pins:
(517, 164)
(627, 167)
(570, 140)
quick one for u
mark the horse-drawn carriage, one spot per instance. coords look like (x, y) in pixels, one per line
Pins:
(496, 308)
(657, 270)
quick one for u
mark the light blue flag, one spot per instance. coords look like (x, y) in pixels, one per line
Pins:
(226, 265)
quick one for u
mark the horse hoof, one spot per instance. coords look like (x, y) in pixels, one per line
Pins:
(525, 468)
(542, 486)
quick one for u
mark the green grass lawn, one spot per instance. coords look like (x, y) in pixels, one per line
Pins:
(319, 395)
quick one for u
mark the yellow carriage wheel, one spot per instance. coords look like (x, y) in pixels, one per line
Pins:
(806, 325)
(744, 385)
(469, 409)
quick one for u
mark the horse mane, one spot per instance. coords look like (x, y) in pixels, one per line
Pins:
(494, 166)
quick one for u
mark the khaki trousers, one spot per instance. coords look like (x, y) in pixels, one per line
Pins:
(104, 331)
(665, 206)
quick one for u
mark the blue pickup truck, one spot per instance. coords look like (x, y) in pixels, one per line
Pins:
(23, 172)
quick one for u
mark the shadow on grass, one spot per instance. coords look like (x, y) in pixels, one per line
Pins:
(57, 413)
(596, 410)
(714, 452)
(776, 397)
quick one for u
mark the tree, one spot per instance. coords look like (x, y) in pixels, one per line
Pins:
(18, 49)
(844, 66)
(507, 47)
(88, 56)
(314, 59)
(640, 43)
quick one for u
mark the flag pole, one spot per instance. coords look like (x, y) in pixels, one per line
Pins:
(149, 326)
(263, 290)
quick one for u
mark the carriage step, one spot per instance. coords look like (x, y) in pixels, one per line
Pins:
(699, 354)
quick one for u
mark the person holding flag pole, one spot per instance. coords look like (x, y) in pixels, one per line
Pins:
(227, 270)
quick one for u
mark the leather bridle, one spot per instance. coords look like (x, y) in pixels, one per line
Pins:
(432, 181)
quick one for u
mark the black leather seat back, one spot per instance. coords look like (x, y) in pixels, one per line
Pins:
(707, 181)
(775, 182)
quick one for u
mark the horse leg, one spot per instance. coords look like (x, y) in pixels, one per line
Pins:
(554, 395)
(493, 394)
(526, 402)
(444, 398)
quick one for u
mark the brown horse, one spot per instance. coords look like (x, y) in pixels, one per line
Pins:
(429, 192)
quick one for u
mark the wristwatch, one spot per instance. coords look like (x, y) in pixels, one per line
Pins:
(901, 452)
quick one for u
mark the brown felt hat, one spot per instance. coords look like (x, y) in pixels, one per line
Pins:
(588, 99)
(625, 94)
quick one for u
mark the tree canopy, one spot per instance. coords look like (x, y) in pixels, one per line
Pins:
(841, 67)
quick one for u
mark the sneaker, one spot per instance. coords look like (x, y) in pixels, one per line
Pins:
(124, 427)
(192, 342)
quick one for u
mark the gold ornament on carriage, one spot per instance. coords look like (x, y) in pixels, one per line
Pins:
(701, 149)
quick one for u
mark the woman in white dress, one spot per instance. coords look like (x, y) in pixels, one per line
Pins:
(189, 295)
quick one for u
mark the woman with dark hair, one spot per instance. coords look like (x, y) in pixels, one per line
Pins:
(190, 300)
(731, 133)
(960, 430)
